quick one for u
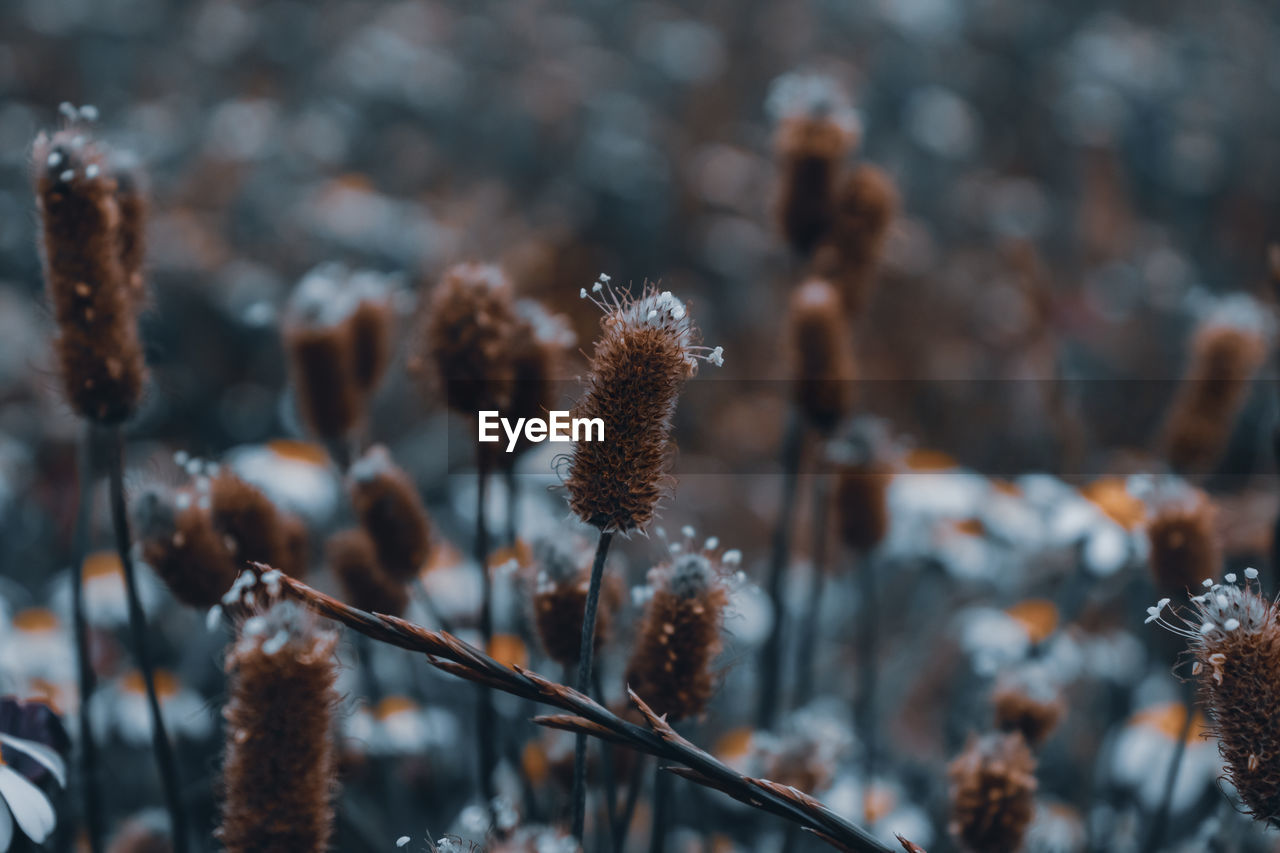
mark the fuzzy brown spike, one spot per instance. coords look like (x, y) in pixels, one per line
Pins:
(131, 198)
(1184, 544)
(862, 503)
(249, 522)
(865, 205)
(640, 362)
(99, 352)
(810, 149)
(320, 365)
(679, 637)
(538, 349)
(1234, 637)
(297, 546)
(372, 325)
(180, 543)
(822, 353)
(993, 789)
(467, 338)
(352, 557)
(390, 509)
(1028, 712)
(563, 572)
(280, 776)
(1224, 359)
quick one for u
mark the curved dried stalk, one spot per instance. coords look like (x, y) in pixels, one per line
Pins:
(586, 716)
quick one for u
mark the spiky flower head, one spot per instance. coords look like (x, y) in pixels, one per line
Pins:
(993, 787)
(679, 636)
(864, 461)
(562, 576)
(1233, 634)
(1027, 702)
(388, 505)
(539, 348)
(864, 206)
(1181, 531)
(647, 349)
(822, 354)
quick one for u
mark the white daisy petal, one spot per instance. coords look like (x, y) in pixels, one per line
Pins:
(30, 807)
(6, 827)
(39, 753)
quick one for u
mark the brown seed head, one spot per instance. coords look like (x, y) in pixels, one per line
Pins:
(562, 574)
(131, 237)
(865, 205)
(98, 348)
(390, 510)
(372, 322)
(280, 776)
(470, 324)
(863, 472)
(1184, 542)
(1028, 707)
(1225, 355)
(180, 544)
(822, 353)
(993, 788)
(644, 354)
(319, 340)
(1234, 636)
(249, 522)
(679, 637)
(538, 350)
(297, 546)
(354, 560)
(810, 151)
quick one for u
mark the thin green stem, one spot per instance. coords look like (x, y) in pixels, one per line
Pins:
(84, 662)
(485, 715)
(586, 652)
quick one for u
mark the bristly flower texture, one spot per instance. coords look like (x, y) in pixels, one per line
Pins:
(99, 351)
(280, 774)
(182, 546)
(866, 202)
(1227, 350)
(390, 509)
(645, 353)
(864, 468)
(993, 787)
(1234, 637)
(1028, 704)
(1183, 539)
(822, 352)
(538, 350)
(562, 574)
(470, 325)
(679, 635)
(353, 559)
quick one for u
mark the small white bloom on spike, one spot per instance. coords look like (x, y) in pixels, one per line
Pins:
(89, 112)
(597, 287)
(712, 543)
(687, 531)
(1207, 627)
(55, 159)
(605, 278)
(402, 841)
(91, 171)
(1207, 582)
(582, 293)
(1231, 624)
(1251, 574)
(717, 357)
(732, 558)
(67, 175)
(1231, 577)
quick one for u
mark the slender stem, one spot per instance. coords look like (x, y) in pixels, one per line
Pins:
(586, 652)
(867, 672)
(771, 653)
(661, 800)
(513, 504)
(485, 716)
(138, 628)
(622, 826)
(807, 642)
(84, 661)
(1155, 832)
(606, 756)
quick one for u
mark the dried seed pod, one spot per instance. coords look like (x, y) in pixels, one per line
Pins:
(372, 323)
(248, 520)
(180, 544)
(390, 509)
(538, 348)
(318, 338)
(1027, 706)
(131, 236)
(816, 130)
(993, 788)
(280, 775)
(1234, 636)
(99, 351)
(863, 472)
(822, 353)
(467, 338)
(866, 202)
(352, 557)
(1184, 541)
(563, 574)
(1226, 352)
(643, 356)
(297, 546)
(679, 636)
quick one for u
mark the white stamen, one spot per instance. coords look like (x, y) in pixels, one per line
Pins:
(1231, 624)
(1207, 582)
(1251, 574)
(712, 543)
(1231, 577)
(732, 558)
(55, 159)
(67, 175)
(91, 171)
(605, 278)
(582, 293)
(1207, 627)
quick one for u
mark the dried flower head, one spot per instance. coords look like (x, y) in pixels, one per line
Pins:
(993, 788)
(297, 546)
(319, 340)
(131, 236)
(1183, 538)
(181, 545)
(351, 556)
(562, 574)
(249, 522)
(1234, 637)
(864, 467)
(679, 635)
(1227, 350)
(280, 776)
(822, 352)
(866, 202)
(372, 321)
(467, 338)
(99, 352)
(538, 349)
(1029, 704)
(643, 356)
(816, 130)
(390, 509)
